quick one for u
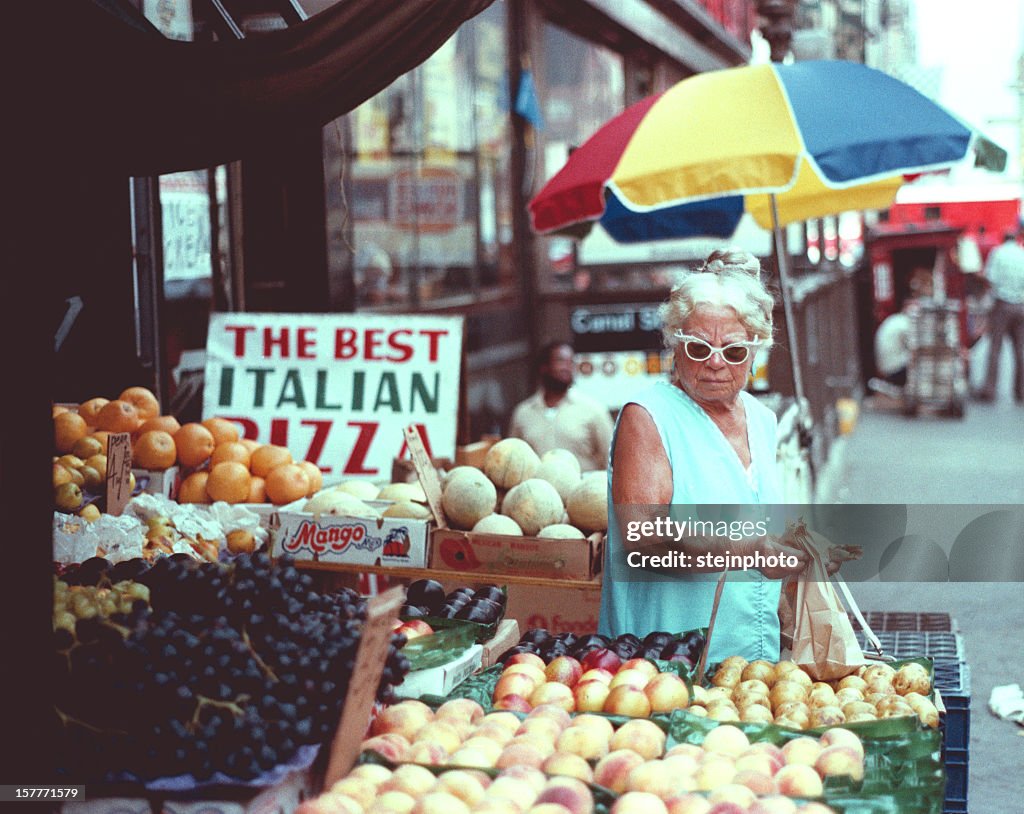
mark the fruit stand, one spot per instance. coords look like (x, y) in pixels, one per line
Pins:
(217, 664)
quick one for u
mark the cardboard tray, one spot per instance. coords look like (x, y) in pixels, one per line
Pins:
(497, 554)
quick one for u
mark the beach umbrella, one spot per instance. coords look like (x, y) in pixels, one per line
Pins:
(782, 142)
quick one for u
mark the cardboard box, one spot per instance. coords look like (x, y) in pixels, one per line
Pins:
(559, 610)
(475, 453)
(398, 542)
(506, 637)
(158, 482)
(497, 554)
(281, 798)
(443, 679)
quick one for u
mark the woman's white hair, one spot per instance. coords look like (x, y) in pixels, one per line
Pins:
(729, 277)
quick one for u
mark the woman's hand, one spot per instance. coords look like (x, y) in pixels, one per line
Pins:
(838, 554)
(774, 547)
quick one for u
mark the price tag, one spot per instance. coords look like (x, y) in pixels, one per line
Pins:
(119, 471)
(381, 613)
(426, 473)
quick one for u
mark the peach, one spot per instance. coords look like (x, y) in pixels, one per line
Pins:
(630, 678)
(727, 677)
(857, 717)
(480, 758)
(852, 682)
(405, 718)
(754, 685)
(331, 803)
(756, 714)
(516, 791)
(759, 670)
(431, 754)
(542, 727)
(688, 804)
(737, 662)
(613, 769)
(598, 722)
(539, 676)
(774, 805)
(727, 807)
(543, 746)
(911, 677)
(565, 670)
(732, 793)
(489, 747)
(787, 709)
(840, 760)
(879, 683)
(524, 754)
(587, 742)
(372, 773)
(690, 749)
(462, 784)
(554, 693)
(410, 779)
(639, 802)
(784, 691)
(717, 694)
(514, 684)
(769, 749)
(439, 802)
(597, 674)
(783, 669)
(392, 746)
(684, 768)
(826, 716)
(878, 671)
(645, 666)
(526, 658)
(821, 696)
(359, 789)
(791, 723)
(838, 736)
(548, 808)
(714, 771)
(798, 780)
(464, 708)
(568, 792)
(759, 763)
(799, 676)
(653, 776)
(513, 702)
(504, 719)
(802, 751)
(441, 733)
(392, 802)
(561, 763)
(700, 712)
(667, 692)
(495, 732)
(848, 695)
(555, 712)
(758, 782)
(591, 695)
(629, 701)
(535, 777)
(726, 740)
(645, 738)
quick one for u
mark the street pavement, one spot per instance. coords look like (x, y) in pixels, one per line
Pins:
(933, 460)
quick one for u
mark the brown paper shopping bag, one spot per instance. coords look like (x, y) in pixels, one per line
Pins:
(824, 643)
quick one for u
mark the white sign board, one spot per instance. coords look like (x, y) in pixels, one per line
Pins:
(337, 389)
(185, 203)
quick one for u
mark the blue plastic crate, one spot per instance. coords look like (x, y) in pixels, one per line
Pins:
(953, 681)
(956, 778)
(954, 807)
(906, 620)
(903, 644)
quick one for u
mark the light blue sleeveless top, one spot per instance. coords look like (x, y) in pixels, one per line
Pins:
(705, 470)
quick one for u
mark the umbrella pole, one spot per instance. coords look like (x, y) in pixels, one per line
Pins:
(782, 261)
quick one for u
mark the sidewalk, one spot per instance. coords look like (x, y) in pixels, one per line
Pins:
(979, 459)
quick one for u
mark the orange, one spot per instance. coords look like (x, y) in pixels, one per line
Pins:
(286, 483)
(90, 410)
(267, 457)
(102, 436)
(193, 488)
(228, 481)
(230, 451)
(250, 444)
(144, 400)
(154, 450)
(316, 477)
(195, 444)
(222, 429)
(118, 416)
(167, 423)
(67, 429)
(57, 410)
(257, 490)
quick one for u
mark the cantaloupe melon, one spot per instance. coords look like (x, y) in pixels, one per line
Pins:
(362, 489)
(498, 524)
(468, 498)
(335, 501)
(406, 508)
(588, 505)
(402, 491)
(510, 461)
(459, 470)
(561, 469)
(533, 504)
(561, 531)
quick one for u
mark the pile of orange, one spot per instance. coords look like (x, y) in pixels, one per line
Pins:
(222, 465)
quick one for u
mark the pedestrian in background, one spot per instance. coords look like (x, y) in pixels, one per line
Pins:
(558, 416)
(1004, 271)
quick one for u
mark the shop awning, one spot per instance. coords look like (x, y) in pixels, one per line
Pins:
(151, 105)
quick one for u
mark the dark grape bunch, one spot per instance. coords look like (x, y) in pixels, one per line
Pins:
(230, 668)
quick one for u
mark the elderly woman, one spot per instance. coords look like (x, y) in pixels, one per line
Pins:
(701, 439)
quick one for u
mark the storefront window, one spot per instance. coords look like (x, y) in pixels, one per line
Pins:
(429, 178)
(582, 85)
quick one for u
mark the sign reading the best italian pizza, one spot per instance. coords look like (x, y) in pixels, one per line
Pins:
(337, 389)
